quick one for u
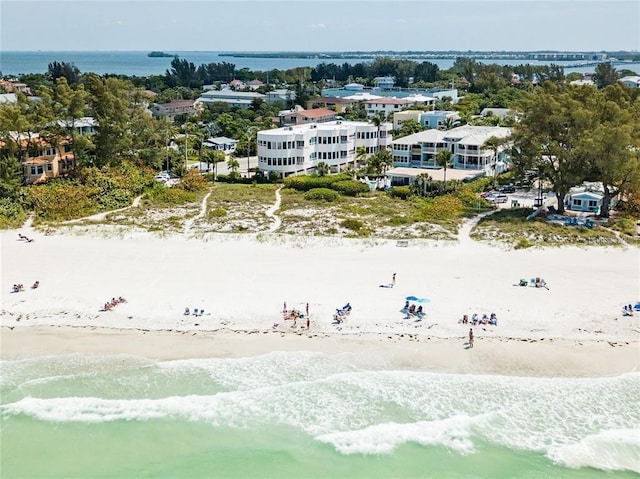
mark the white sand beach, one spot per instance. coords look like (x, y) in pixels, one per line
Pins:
(575, 327)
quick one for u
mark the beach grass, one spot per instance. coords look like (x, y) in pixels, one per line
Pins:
(512, 227)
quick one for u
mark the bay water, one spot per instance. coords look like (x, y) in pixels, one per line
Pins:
(304, 414)
(137, 63)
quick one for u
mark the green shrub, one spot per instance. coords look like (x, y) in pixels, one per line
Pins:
(522, 243)
(12, 215)
(350, 187)
(308, 182)
(625, 225)
(402, 192)
(324, 194)
(62, 199)
(352, 224)
(398, 220)
(217, 213)
(193, 181)
(161, 195)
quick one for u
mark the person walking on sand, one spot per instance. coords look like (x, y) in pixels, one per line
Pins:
(393, 279)
(470, 338)
(308, 322)
(307, 309)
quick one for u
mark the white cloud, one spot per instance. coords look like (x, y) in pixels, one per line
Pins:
(318, 26)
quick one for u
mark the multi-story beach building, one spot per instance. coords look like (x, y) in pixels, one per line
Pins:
(465, 143)
(299, 149)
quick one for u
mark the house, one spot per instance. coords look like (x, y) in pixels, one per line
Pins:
(41, 160)
(338, 105)
(587, 198)
(299, 148)
(298, 116)
(235, 99)
(346, 92)
(237, 84)
(174, 108)
(255, 84)
(631, 81)
(13, 87)
(427, 119)
(501, 113)
(83, 126)
(465, 143)
(385, 82)
(221, 143)
(281, 95)
(8, 98)
(386, 106)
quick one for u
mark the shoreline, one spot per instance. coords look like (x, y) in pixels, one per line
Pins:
(490, 356)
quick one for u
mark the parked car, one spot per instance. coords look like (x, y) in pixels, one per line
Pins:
(499, 198)
(507, 189)
(485, 194)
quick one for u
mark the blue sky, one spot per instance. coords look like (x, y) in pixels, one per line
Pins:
(319, 25)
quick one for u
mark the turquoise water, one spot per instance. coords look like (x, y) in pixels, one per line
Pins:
(307, 415)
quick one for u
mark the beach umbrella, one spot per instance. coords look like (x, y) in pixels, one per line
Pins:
(417, 300)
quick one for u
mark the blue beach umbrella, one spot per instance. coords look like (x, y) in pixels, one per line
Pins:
(417, 300)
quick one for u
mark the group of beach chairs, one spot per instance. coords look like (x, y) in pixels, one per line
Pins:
(109, 305)
(491, 320)
(536, 282)
(411, 311)
(19, 288)
(628, 310)
(196, 312)
(341, 314)
(573, 221)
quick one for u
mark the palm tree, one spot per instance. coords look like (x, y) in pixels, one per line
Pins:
(361, 156)
(493, 143)
(233, 165)
(443, 158)
(322, 169)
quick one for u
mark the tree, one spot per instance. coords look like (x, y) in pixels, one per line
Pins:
(380, 161)
(409, 127)
(68, 71)
(443, 158)
(11, 177)
(361, 155)
(493, 143)
(605, 75)
(233, 165)
(612, 145)
(322, 169)
(547, 138)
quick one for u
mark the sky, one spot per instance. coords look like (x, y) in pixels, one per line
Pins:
(319, 25)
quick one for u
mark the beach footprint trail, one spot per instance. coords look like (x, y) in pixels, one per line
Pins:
(271, 212)
(188, 225)
(464, 233)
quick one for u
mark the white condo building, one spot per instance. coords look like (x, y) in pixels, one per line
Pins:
(299, 148)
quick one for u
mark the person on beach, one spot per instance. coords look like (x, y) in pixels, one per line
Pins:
(35, 285)
(308, 322)
(393, 279)
(470, 338)
(307, 309)
(284, 307)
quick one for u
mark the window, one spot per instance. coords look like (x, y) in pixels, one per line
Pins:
(592, 203)
(300, 144)
(33, 170)
(343, 139)
(49, 167)
(577, 202)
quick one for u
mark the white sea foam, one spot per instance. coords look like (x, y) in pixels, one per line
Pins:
(453, 433)
(614, 449)
(574, 421)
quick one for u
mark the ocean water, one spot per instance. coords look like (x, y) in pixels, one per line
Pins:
(137, 63)
(302, 414)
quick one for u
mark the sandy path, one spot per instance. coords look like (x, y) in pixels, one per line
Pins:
(271, 212)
